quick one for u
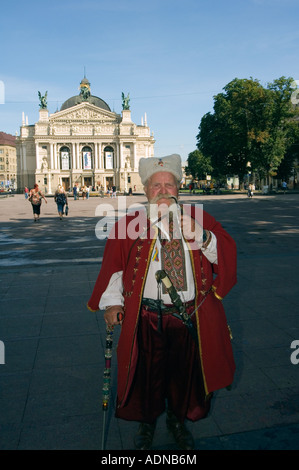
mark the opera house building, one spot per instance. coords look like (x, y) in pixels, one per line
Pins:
(83, 143)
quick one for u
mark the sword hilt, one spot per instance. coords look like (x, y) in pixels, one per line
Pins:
(120, 316)
(161, 276)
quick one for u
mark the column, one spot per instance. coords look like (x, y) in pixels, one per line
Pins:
(36, 157)
(134, 150)
(55, 157)
(100, 156)
(150, 150)
(51, 157)
(78, 157)
(49, 183)
(24, 157)
(74, 156)
(96, 156)
(121, 164)
(117, 156)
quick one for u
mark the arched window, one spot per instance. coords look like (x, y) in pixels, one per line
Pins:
(108, 158)
(65, 158)
(87, 158)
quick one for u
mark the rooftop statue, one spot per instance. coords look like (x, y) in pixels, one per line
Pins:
(43, 100)
(84, 92)
(126, 100)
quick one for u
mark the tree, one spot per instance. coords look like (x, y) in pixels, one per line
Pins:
(279, 125)
(286, 167)
(198, 165)
(249, 125)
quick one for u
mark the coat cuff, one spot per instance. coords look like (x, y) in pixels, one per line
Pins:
(89, 308)
(215, 293)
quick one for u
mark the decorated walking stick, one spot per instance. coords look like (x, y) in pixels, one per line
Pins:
(107, 374)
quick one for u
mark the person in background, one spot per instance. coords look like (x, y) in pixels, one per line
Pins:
(35, 197)
(84, 191)
(250, 190)
(60, 197)
(75, 192)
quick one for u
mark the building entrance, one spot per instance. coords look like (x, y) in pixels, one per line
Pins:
(109, 181)
(65, 183)
(87, 181)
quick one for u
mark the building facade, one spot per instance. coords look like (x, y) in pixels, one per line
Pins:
(83, 143)
(8, 161)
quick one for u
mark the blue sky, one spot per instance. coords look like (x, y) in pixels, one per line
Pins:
(171, 56)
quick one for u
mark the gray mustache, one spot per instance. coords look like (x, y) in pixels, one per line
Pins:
(163, 196)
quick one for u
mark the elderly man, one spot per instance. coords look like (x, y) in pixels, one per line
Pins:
(174, 348)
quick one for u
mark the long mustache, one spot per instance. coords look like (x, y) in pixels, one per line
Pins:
(153, 209)
(163, 196)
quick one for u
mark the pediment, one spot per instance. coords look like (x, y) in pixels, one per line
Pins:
(84, 112)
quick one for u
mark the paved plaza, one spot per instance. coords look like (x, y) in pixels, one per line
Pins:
(51, 379)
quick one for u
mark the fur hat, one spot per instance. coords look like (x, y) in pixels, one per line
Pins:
(170, 163)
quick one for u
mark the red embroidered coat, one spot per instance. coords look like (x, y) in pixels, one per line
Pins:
(133, 258)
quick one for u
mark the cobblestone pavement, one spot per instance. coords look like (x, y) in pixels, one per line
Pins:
(51, 381)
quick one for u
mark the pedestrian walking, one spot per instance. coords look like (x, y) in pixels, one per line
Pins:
(174, 348)
(26, 192)
(35, 197)
(251, 188)
(60, 197)
(84, 191)
(75, 192)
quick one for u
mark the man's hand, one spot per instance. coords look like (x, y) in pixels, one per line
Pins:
(191, 229)
(110, 315)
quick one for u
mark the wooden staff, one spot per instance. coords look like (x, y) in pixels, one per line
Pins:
(107, 375)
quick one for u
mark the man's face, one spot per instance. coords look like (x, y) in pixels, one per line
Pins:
(161, 186)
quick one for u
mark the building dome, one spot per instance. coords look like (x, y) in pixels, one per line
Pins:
(74, 100)
(85, 96)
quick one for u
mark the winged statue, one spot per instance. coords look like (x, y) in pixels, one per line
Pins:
(43, 100)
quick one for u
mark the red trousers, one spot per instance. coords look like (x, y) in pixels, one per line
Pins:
(168, 372)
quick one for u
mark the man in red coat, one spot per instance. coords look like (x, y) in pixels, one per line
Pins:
(164, 362)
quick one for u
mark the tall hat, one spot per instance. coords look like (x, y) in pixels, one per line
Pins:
(170, 163)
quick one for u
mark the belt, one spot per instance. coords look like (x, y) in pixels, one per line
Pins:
(154, 306)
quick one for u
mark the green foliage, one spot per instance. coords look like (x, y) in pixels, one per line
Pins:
(250, 124)
(198, 165)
